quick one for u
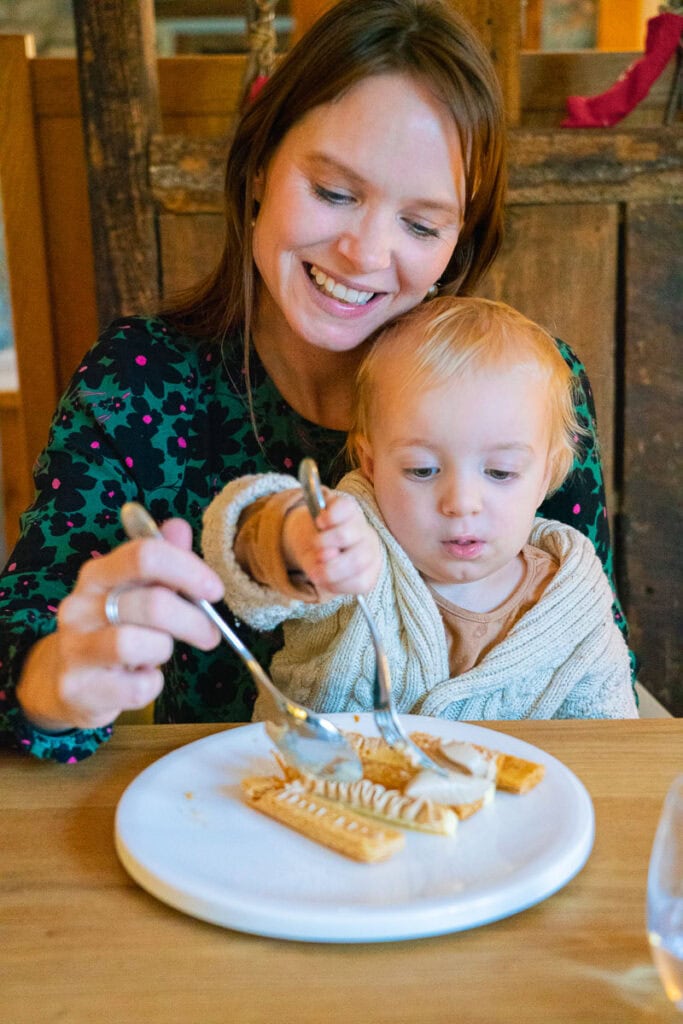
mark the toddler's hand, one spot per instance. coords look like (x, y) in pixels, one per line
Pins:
(340, 553)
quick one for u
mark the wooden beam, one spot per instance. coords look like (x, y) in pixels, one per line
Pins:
(120, 110)
(499, 24)
(22, 211)
(532, 24)
(592, 166)
(653, 466)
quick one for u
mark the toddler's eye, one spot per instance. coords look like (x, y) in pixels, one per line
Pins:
(501, 474)
(422, 472)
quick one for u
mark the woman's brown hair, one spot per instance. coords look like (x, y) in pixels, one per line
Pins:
(353, 41)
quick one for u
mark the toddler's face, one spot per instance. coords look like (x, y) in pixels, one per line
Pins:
(459, 471)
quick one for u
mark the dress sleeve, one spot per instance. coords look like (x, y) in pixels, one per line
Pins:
(93, 462)
(581, 502)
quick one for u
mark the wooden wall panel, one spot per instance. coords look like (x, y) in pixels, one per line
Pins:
(20, 201)
(190, 247)
(68, 241)
(199, 97)
(188, 86)
(546, 79)
(653, 464)
(574, 298)
(15, 487)
(305, 13)
(499, 24)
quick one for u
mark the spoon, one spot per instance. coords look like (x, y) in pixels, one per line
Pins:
(386, 719)
(308, 742)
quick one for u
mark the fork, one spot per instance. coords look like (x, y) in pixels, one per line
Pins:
(386, 719)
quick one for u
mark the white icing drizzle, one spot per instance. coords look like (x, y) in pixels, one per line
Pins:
(374, 797)
(295, 794)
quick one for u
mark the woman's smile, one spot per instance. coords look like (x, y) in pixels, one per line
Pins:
(333, 288)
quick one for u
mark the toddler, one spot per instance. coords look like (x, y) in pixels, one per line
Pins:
(463, 423)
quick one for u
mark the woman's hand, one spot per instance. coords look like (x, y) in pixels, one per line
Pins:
(88, 671)
(340, 553)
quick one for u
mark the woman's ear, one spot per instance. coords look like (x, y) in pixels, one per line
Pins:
(258, 183)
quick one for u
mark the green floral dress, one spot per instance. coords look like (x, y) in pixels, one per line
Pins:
(157, 417)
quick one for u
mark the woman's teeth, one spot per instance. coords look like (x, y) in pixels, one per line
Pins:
(339, 291)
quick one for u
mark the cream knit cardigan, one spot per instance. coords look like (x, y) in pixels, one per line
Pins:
(565, 658)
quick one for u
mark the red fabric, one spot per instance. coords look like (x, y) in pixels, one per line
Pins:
(257, 85)
(663, 34)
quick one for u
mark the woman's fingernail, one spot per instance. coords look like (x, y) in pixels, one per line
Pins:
(214, 590)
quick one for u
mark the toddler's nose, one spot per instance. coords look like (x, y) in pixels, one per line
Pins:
(460, 497)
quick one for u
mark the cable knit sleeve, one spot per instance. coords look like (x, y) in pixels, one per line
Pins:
(261, 606)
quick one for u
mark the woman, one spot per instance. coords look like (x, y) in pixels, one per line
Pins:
(367, 175)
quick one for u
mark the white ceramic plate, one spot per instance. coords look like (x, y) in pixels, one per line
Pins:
(184, 834)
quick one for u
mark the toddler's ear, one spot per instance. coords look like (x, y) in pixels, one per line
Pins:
(365, 459)
(545, 483)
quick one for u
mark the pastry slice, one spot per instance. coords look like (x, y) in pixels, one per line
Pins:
(324, 821)
(513, 774)
(517, 775)
(394, 768)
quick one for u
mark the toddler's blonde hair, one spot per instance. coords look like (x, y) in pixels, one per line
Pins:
(450, 337)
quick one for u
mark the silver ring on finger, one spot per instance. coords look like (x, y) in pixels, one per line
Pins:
(111, 606)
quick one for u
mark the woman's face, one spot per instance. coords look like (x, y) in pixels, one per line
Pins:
(360, 210)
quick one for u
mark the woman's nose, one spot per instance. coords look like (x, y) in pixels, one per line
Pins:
(367, 244)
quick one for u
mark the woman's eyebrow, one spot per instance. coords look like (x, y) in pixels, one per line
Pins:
(324, 161)
(327, 162)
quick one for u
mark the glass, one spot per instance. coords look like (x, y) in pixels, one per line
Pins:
(665, 895)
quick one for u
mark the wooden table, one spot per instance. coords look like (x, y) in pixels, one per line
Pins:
(83, 944)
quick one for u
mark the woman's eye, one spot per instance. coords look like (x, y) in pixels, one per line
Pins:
(422, 472)
(422, 230)
(329, 196)
(501, 474)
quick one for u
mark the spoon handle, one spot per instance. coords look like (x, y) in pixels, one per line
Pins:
(137, 522)
(310, 742)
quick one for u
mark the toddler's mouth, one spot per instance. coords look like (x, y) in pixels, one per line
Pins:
(337, 290)
(464, 547)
